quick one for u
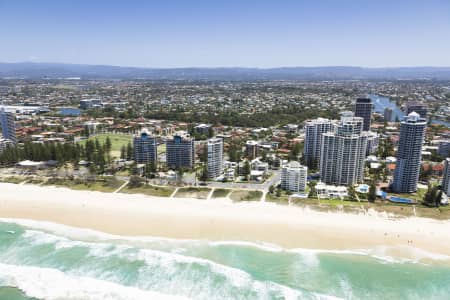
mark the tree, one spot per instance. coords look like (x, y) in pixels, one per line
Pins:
(135, 181)
(432, 197)
(204, 173)
(271, 189)
(264, 155)
(129, 151)
(352, 193)
(86, 132)
(89, 150)
(108, 144)
(97, 145)
(295, 152)
(210, 132)
(278, 192)
(234, 152)
(312, 189)
(123, 152)
(372, 192)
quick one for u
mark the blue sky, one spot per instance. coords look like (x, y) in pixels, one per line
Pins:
(201, 33)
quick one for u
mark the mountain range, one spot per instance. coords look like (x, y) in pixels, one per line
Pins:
(31, 70)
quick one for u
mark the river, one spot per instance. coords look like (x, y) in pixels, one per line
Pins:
(380, 103)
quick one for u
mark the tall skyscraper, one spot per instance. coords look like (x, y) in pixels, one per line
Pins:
(313, 139)
(180, 152)
(8, 125)
(388, 114)
(418, 107)
(215, 157)
(145, 148)
(294, 177)
(343, 152)
(409, 154)
(363, 109)
(446, 177)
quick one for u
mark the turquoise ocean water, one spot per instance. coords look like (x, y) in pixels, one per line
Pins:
(48, 261)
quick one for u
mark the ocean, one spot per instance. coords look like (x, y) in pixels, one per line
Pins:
(40, 260)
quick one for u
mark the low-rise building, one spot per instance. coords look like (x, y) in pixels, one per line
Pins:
(325, 191)
(203, 129)
(4, 143)
(90, 103)
(444, 148)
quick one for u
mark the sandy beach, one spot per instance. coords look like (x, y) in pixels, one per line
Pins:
(220, 220)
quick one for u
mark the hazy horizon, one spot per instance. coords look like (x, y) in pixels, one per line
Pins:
(204, 34)
(224, 67)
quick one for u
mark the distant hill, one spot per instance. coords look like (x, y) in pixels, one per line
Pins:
(57, 70)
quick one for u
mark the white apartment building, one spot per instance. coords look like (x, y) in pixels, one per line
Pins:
(215, 157)
(294, 177)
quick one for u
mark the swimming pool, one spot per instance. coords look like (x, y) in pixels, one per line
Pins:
(401, 200)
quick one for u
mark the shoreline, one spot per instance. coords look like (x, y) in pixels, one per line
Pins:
(289, 227)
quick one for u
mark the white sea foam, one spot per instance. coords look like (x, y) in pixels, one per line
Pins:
(169, 263)
(382, 253)
(52, 284)
(161, 270)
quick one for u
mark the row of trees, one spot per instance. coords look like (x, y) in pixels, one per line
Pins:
(127, 152)
(92, 151)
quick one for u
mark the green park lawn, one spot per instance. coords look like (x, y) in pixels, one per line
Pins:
(117, 141)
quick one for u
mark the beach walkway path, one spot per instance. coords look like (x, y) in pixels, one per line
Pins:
(263, 197)
(210, 194)
(174, 193)
(121, 187)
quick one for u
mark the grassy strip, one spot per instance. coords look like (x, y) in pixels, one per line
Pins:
(221, 193)
(101, 185)
(193, 192)
(243, 195)
(283, 199)
(12, 179)
(150, 190)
